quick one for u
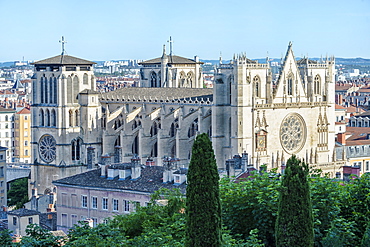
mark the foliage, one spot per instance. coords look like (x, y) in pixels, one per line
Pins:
(5, 238)
(203, 207)
(254, 200)
(101, 235)
(18, 193)
(38, 236)
(366, 238)
(294, 223)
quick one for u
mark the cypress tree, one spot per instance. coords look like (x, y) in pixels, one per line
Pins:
(294, 223)
(203, 207)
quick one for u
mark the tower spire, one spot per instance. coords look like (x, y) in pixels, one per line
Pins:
(62, 41)
(170, 42)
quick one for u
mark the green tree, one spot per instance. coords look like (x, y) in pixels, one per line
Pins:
(203, 207)
(18, 193)
(294, 223)
(255, 200)
(40, 237)
(5, 238)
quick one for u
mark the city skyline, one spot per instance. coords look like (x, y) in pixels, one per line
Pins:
(138, 29)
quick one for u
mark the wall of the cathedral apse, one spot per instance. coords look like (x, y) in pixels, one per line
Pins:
(138, 117)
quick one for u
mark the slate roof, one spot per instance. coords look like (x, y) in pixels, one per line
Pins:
(23, 212)
(151, 180)
(89, 91)
(160, 93)
(6, 110)
(63, 60)
(171, 60)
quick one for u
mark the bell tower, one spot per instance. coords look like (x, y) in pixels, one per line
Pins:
(58, 133)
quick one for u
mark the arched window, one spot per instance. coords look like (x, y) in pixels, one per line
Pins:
(135, 145)
(182, 79)
(257, 86)
(190, 79)
(229, 81)
(47, 117)
(154, 129)
(70, 118)
(174, 127)
(134, 125)
(290, 84)
(42, 89)
(69, 90)
(159, 79)
(47, 90)
(118, 141)
(76, 149)
(77, 122)
(55, 91)
(173, 150)
(154, 152)
(6, 118)
(75, 89)
(42, 122)
(193, 128)
(153, 79)
(53, 118)
(86, 79)
(317, 84)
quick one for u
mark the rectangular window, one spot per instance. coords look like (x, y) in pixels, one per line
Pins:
(6, 134)
(74, 200)
(73, 219)
(64, 199)
(115, 204)
(136, 205)
(26, 143)
(26, 125)
(26, 152)
(126, 206)
(105, 204)
(84, 201)
(30, 220)
(26, 134)
(367, 166)
(1, 171)
(94, 202)
(14, 221)
(64, 219)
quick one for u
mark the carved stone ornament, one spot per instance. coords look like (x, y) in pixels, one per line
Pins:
(293, 133)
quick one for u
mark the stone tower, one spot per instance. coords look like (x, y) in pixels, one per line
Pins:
(271, 120)
(62, 118)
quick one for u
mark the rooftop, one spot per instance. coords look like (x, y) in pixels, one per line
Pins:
(171, 60)
(151, 180)
(160, 93)
(23, 212)
(63, 60)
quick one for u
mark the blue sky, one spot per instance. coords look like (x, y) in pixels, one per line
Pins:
(137, 29)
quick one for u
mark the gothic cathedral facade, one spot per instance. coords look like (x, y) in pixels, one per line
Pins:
(73, 126)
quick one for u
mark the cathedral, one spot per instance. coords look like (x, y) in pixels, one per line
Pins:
(247, 111)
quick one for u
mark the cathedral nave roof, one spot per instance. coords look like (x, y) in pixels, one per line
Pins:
(64, 60)
(171, 60)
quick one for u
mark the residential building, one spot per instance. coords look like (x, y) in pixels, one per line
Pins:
(22, 132)
(6, 131)
(3, 179)
(111, 190)
(19, 219)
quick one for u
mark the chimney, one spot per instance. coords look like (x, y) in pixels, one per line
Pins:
(135, 167)
(104, 166)
(341, 138)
